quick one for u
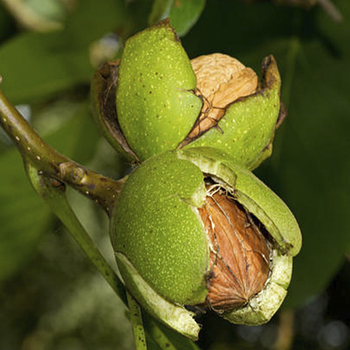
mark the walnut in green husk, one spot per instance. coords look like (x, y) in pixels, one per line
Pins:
(154, 99)
(192, 228)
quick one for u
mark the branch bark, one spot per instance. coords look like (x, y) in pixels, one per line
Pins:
(51, 163)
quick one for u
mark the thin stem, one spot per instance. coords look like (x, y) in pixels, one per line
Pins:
(137, 323)
(101, 189)
(285, 330)
(55, 198)
(332, 11)
(157, 334)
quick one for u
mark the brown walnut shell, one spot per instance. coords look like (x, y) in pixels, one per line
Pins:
(239, 251)
(221, 80)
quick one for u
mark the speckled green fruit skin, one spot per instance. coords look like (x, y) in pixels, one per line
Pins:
(156, 228)
(253, 194)
(247, 128)
(160, 240)
(155, 99)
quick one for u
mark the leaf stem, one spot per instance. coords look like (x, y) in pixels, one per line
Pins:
(55, 198)
(158, 335)
(101, 189)
(137, 323)
(285, 330)
(332, 11)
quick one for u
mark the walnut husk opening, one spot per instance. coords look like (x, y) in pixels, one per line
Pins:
(240, 252)
(221, 80)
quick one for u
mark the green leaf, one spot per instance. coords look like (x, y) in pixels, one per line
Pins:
(38, 16)
(160, 10)
(48, 10)
(32, 69)
(24, 217)
(316, 173)
(77, 138)
(311, 164)
(35, 66)
(183, 14)
(5, 23)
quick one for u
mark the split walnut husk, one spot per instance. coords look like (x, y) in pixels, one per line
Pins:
(221, 80)
(154, 99)
(239, 251)
(192, 228)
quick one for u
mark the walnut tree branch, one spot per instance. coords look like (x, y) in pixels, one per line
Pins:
(48, 161)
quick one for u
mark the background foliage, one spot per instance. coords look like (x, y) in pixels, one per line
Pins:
(50, 296)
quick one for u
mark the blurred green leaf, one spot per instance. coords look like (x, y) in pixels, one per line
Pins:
(36, 15)
(93, 20)
(23, 215)
(52, 9)
(5, 23)
(183, 14)
(35, 66)
(32, 69)
(314, 163)
(160, 10)
(78, 137)
(310, 165)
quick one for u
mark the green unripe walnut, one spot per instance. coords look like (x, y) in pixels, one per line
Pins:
(246, 128)
(155, 99)
(172, 250)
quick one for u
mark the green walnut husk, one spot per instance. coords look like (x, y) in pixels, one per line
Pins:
(147, 103)
(162, 247)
